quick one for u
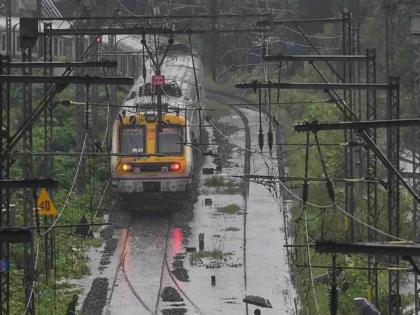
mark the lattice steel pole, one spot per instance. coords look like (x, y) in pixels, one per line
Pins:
(371, 173)
(393, 147)
(8, 13)
(348, 134)
(214, 39)
(28, 194)
(28, 173)
(358, 150)
(416, 181)
(48, 143)
(112, 89)
(80, 93)
(4, 192)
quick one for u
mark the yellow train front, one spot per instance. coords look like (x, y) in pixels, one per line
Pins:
(148, 158)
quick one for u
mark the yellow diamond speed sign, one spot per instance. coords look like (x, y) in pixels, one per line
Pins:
(45, 205)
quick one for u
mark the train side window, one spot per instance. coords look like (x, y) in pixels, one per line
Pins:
(132, 139)
(55, 46)
(3, 41)
(170, 140)
(120, 67)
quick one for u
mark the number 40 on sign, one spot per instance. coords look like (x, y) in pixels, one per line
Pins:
(44, 204)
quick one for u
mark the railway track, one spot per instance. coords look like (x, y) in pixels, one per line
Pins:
(128, 275)
(146, 251)
(122, 274)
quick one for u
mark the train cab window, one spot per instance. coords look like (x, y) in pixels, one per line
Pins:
(170, 140)
(173, 89)
(132, 139)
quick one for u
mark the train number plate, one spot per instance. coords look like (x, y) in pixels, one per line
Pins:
(137, 170)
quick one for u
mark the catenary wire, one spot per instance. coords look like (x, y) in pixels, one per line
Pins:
(76, 175)
(33, 283)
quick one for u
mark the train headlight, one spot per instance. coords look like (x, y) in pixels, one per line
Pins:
(126, 167)
(175, 166)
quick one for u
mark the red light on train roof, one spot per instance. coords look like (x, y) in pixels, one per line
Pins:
(175, 166)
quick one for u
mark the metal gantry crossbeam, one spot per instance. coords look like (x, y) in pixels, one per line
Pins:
(146, 30)
(338, 58)
(300, 21)
(358, 125)
(58, 64)
(375, 248)
(155, 17)
(311, 179)
(314, 86)
(29, 183)
(87, 80)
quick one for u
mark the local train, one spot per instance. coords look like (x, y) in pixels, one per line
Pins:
(152, 155)
(126, 50)
(148, 156)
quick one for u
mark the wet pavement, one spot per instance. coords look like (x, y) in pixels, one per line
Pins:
(187, 274)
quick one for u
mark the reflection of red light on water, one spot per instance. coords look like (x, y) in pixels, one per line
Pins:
(127, 249)
(177, 238)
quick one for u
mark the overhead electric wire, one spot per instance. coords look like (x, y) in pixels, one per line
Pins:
(310, 263)
(114, 281)
(76, 175)
(33, 282)
(346, 213)
(126, 9)
(310, 35)
(306, 46)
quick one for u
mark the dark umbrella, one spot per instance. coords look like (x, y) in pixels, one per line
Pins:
(257, 300)
(366, 307)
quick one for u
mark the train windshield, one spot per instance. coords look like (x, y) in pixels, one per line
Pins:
(132, 140)
(170, 140)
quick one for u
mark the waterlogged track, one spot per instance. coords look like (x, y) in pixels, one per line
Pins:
(266, 267)
(147, 280)
(146, 267)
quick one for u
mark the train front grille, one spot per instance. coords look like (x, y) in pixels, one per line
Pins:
(152, 167)
(151, 187)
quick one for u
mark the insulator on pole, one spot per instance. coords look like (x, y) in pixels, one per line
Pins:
(260, 135)
(270, 139)
(144, 65)
(261, 140)
(330, 188)
(305, 192)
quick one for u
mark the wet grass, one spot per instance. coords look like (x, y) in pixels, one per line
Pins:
(215, 181)
(217, 110)
(213, 254)
(232, 208)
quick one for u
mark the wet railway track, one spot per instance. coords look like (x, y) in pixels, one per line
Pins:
(148, 247)
(151, 250)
